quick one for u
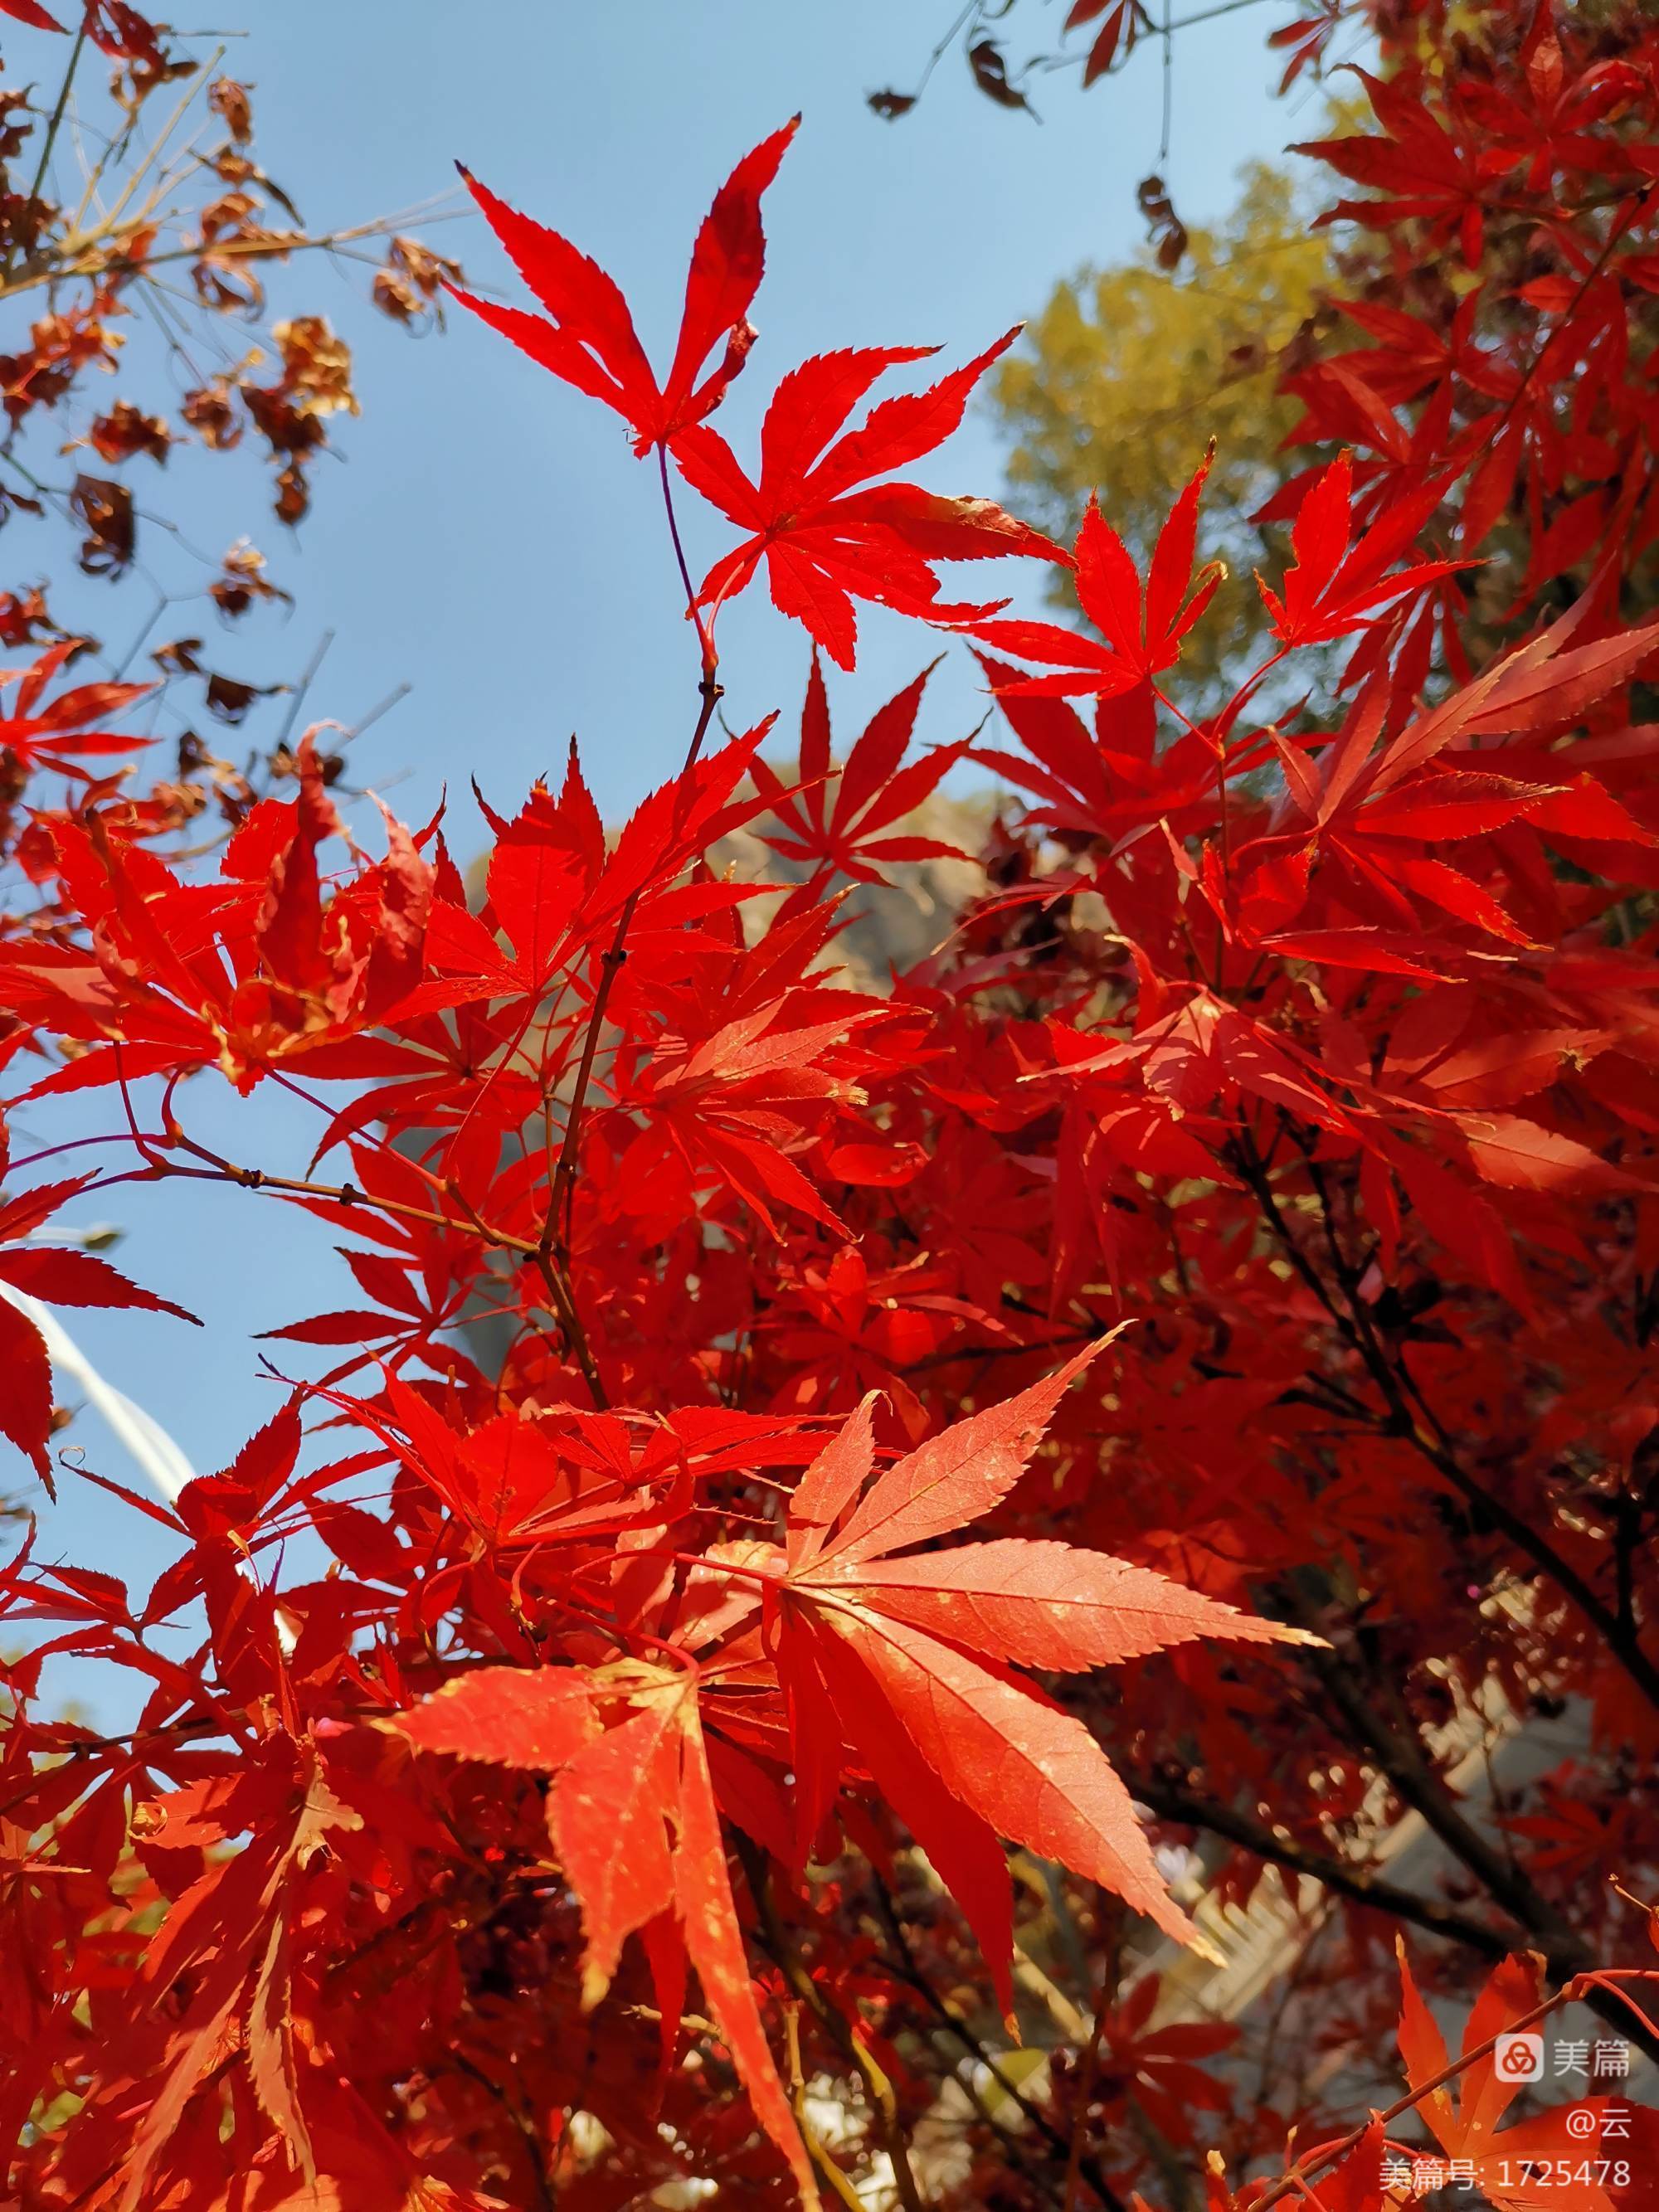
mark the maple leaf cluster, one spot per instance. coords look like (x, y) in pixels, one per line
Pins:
(103, 260)
(825, 530)
(1498, 367)
(1161, 1389)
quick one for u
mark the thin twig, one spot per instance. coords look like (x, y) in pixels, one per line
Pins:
(884, 2103)
(1316, 2162)
(1421, 1430)
(307, 676)
(1105, 1999)
(53, 127)
(909, 1970)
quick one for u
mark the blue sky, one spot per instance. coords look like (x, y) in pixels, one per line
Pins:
(486, 537)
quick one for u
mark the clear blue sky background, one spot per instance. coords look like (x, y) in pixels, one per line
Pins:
(487, 537)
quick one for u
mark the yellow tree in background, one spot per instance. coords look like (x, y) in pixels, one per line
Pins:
(1128, 373)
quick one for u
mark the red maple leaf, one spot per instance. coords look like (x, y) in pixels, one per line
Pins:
(1335, 587)
(1143, 630)
(836, 821)
(1418, 168)
(827, 533)
(40, 735)
(588, 338)
(1513, 2168)
(905, 1658)
(633, 1814)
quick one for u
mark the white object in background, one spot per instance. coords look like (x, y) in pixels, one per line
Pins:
(145, 1439)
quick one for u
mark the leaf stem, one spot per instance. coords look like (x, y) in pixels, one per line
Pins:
(705, 635)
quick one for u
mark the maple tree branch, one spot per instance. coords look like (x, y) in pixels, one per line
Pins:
(709, 692)
(906, 1966)
(564, 1175)
(90, 1747)
(1400, 1758)
(547, 2196)
(839, 2184)
(52, 129)
(1013, 2149)
(563, 1300)
(339, 1194)
(1621, 1643)
(691, 2023)
(1627, 1517)
(471, 1223)
(1414, 1780)
(561, 1198)
(558, 1287)
(1206, 15)
(884, 2103)
(829, 2173)
(1422, 1428)
(1332, 1873)
(1329, 2154)
(1634, 202)
(1105, 1999)
(279, 247)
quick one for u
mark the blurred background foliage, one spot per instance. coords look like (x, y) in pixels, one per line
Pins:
(1128, 373)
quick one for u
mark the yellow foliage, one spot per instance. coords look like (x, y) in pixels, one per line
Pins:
(1127, 374)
